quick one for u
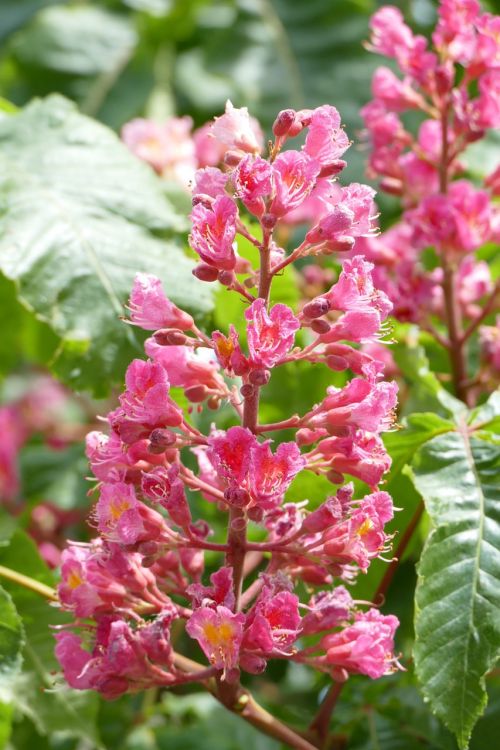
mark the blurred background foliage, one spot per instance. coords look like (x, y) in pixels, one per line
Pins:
(119, 59)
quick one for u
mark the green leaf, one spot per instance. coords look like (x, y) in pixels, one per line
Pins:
(11, 639)
(458, 593)
(79, 40)
(79, 216)
(52, 708)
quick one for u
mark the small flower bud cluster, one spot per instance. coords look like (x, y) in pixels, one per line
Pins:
(455, 84)
(146, 570)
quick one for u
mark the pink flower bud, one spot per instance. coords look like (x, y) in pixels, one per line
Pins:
(283, 122)
(170, 337)
(203, 272)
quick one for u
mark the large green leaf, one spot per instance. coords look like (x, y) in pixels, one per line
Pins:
(52, 708)
(79, 216)
(458, 593)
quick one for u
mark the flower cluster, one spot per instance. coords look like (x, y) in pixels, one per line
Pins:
(40, 409)
(146, 569)
(454, 83)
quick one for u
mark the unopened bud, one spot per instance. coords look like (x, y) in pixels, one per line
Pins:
(225, 278)
(339, 245)
(196, 393)
(391, 185)
(247, 390)
(237, 497)
(283, 122)
(320, 326)
(268, 221)
(170, 337)
(203, 199)
(316, 308)
(233, 158)
(148, 548)
(255, 514)
(259, 377)
(249, 283)
(338, 364)
(335, 167)
(204, 272)
(335, 477)
(213, 403)
(161, 439)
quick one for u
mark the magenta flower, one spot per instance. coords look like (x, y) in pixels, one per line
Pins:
(230, 453)
(270, 334)
(326, 610)
(213, 232)
(146, 398)
(210, 182)
(164, 486)
(122, 517)
(274, 623)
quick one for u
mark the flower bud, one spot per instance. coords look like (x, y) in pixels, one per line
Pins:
(320, 326)
(283, 122)
(205, 200)
(170, 337)
(204, 272)
(260, 377)
(233, 158)
(226, 278)
(161, 439)
(332, 169)
(196, 393)
(268, 221)
(247, 390)
(335, 477)
(255, 514)
(338, 364)
(316, 308)
(444, 78)
(213, 403)
(237, 497)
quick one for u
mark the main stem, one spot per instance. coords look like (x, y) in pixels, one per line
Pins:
(453, 312)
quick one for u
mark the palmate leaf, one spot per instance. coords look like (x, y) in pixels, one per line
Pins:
(79, 217)
(458, 593)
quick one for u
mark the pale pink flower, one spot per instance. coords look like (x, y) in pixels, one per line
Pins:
(122, 517)
(237, 130)
(209, 181)
(208, 150)
(326, 610)
(167, 147)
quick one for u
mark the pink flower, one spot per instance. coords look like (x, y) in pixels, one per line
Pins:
(253, 181)
(295, 175)
(355, 291)
(366, 647)
(459, 221)
(327, 609)
(219, 633)
(151, 309)
(360, 455)
(167, 147)
(367, 406)
(326, 141)
(146, 398)
(122, 517)
(164, 486)
(397, 95)
(228, 351)
(274, 623)
(209, 181)
(219, 593)
(270, 334)
(189, 370)
(213, 232)
(389, 32)
(271, 474)
(237, 130)
(352, 216)
(209, 151)
(230, 452)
